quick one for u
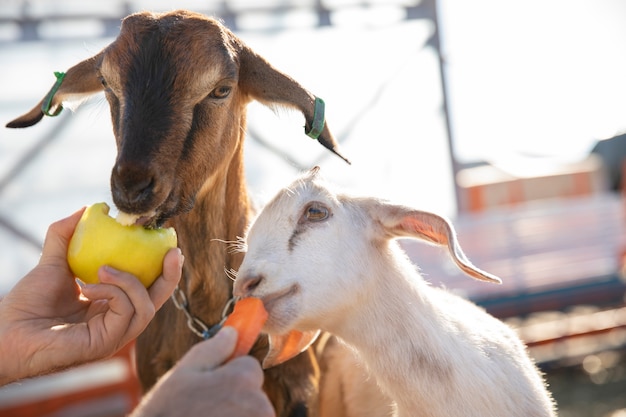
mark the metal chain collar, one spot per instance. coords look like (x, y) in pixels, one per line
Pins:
(196, 325)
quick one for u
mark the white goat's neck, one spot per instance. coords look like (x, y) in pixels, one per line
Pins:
(431, 351)
(399, 324)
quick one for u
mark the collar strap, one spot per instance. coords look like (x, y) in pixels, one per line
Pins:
(47, 101)
(318, 120)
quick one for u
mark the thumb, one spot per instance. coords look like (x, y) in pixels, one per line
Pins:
(59, 235)
(210, 354)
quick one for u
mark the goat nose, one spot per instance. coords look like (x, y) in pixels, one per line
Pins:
(131, 184)
(246, 285)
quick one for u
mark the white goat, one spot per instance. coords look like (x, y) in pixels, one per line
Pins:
(321, 260)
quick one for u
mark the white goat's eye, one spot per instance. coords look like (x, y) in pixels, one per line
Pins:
(316, 212)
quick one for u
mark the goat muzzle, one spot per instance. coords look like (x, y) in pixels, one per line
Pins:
(133, 187)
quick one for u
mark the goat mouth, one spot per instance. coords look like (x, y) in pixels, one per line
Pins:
(155, 218)
(270, 300)
(146, 220)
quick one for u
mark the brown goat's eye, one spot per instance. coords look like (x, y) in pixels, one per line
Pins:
(316, 212)
(221, 92)
(103, 82)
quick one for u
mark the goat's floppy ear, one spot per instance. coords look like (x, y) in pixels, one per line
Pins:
(285, 347)
(264, 83)
(401, 221)
(78, 83)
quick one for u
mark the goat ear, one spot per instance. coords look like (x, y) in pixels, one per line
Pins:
(400, 221)
(264, 83)
(78, 83)
(285, 347)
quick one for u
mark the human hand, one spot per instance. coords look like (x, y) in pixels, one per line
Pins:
(48, 322)
(201, 384)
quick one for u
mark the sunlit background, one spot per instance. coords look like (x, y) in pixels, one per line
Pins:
(508, 116)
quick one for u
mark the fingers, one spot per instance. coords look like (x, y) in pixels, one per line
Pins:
(129, 308)
(163, 287)
(139, 298)
(130, 305)
(210, 354)
(201, 383)
(147, 302)
(248, 366)
(111, 313)
(59, 235)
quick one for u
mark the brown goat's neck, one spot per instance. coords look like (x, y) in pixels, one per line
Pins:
(220, 214)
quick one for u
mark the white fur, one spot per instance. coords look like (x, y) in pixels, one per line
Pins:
(434, 353)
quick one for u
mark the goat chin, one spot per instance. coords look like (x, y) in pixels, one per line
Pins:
(178, 85)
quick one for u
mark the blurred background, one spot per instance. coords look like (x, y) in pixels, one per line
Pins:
(507, 116)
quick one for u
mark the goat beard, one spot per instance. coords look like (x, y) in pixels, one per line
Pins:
(165, 212)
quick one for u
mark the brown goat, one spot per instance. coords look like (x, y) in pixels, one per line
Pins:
(178, 85)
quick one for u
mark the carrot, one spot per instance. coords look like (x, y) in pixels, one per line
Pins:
(248, 318)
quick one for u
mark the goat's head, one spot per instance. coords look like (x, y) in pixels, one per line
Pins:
(310, 250)
(177, 85)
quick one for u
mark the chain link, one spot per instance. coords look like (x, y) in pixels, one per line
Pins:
(196, 325)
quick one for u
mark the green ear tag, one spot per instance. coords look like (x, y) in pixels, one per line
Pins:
(47, 101)
(318, 120)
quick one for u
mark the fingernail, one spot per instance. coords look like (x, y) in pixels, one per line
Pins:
(80, 283)
(226, 331)
(111, 270)
(181, 257)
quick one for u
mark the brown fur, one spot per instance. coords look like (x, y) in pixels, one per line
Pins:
(178, 85)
